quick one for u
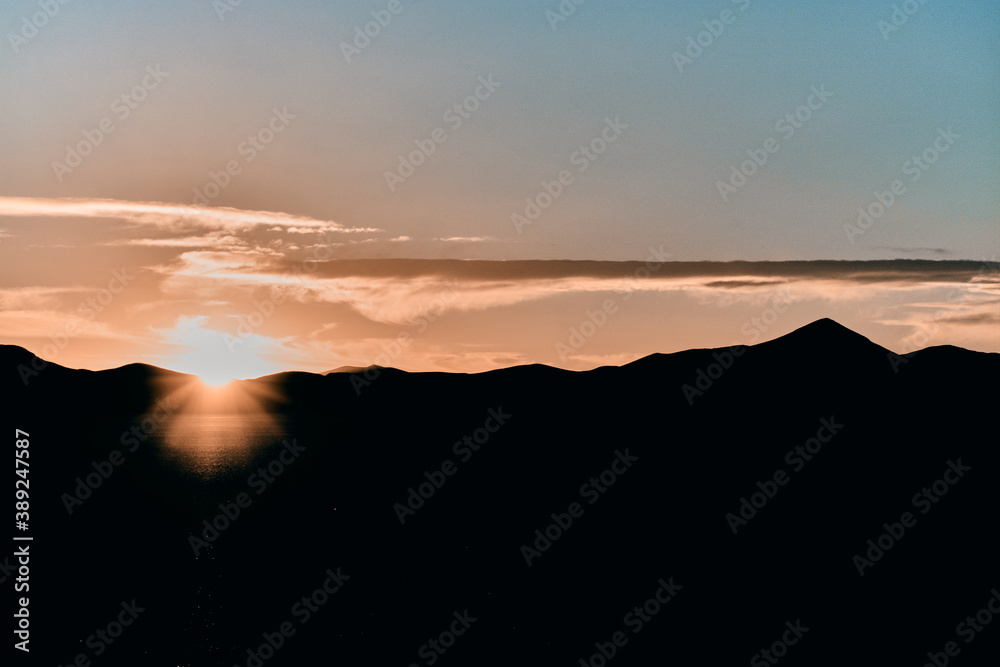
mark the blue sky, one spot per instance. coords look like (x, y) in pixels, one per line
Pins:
(686, 129)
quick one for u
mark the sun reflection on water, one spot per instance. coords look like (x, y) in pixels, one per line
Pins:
(216, 431)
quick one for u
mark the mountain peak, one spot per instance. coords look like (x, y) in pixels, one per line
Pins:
(827, 334)
(825, 327)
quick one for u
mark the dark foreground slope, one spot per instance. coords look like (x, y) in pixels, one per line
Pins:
(831, 440)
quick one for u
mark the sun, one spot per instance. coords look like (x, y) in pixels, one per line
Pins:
(214, 367)
(216, 358)
(215, 378)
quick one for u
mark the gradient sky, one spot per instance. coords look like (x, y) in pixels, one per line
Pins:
(320, 185)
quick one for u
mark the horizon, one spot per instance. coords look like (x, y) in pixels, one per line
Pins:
(219, 381)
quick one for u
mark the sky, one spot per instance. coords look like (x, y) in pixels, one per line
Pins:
(462, 186)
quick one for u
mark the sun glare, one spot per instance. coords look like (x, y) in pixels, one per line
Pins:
(212, 430)
(215, 378)
(215, 358)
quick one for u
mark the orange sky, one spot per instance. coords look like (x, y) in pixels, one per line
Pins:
(229, 293)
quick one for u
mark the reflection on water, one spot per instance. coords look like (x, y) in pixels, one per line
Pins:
(210, 439)
(217, 445)
(213, 433)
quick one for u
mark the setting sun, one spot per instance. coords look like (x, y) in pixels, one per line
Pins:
(215, 379)
(215, 358)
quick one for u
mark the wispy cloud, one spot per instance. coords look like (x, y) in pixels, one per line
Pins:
(397, 290)
(989, 317)
(32, 298)
(465, 239)
(745, 274)
(915, 251)
(220, 241)
(167, 216)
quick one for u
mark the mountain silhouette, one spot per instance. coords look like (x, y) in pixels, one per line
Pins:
(815, 496)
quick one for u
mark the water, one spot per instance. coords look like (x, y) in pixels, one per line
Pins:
(213, 447)
(214, 452)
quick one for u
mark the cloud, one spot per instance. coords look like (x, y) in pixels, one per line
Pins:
(734, 284)
(976, 319)
(396, 291)
(928, 251)
(185, 228)
(36, 298)
(465, 239)
(913, 271)
(205, 241)
(167, 216)
(212, 270)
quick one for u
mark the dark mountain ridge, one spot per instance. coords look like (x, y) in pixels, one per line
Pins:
(831, 435)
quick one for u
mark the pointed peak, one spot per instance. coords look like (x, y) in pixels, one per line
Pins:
(826, 327)
(825, 333)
